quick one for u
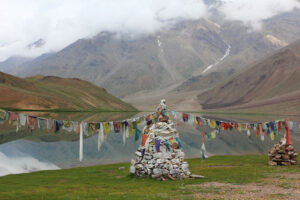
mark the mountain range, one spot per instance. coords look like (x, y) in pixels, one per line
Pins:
(128, 65)
(177, 63)
(247, 48)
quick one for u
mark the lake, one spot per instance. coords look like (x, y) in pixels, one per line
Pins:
(26, 151)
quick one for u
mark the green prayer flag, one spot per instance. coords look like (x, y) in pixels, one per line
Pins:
(42, 124)
(138, 134)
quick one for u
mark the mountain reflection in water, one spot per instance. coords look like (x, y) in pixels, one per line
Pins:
(27, 151)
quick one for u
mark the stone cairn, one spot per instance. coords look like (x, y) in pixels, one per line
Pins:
(282, 154)
(159, 155)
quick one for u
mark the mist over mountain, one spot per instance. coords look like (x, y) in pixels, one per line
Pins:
(61, 23)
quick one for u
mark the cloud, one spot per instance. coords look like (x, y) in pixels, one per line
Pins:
(253, 12)
(22, 164)
(60, 23)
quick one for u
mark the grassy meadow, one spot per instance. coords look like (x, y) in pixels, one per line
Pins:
(113, 181)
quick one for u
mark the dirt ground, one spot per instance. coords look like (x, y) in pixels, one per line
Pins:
(280, 186)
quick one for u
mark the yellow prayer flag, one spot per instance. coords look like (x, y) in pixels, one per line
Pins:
(272, 135)
(106, 128)
(213, 124)
(131, 130)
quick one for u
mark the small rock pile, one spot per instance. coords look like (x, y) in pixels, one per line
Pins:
(282, 154)
(160, 155)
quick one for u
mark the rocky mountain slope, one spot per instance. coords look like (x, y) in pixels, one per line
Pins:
(11, 64)
(247, 46)
(127, 65)
(49, 92)
(270, 81)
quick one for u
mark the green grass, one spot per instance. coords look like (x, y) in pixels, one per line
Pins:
(108, 182)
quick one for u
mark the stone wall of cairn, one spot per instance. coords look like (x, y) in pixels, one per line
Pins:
(282, 154)
(160, 155)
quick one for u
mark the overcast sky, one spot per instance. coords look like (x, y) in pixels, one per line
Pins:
(61, 22)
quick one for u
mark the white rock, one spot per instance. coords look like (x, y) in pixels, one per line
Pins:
(163, 149)
(196, 176)
(138, 153)
(150, 166)
(155, 175)
(159, 161)
(165, 171)
(157, 155)
(184, 166)
(148, 171)
(181, 154)
(166, 155)
(151, 161)
(175, 161)
(132, 169)
(139, 166)
(157, 171)
(133, 162)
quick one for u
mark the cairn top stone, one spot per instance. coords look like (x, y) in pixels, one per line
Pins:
(162, 105)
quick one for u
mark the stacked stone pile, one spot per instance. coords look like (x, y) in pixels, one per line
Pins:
(160, 155)
(282, 154)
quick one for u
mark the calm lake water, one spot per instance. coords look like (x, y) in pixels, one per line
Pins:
(26, 151)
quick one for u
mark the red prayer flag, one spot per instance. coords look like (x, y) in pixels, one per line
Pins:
(287, 131)
(203, 134)
(144, 138)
